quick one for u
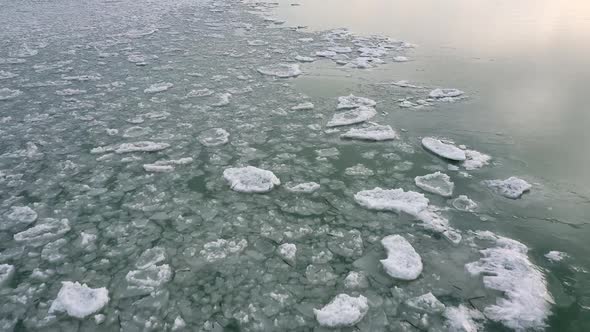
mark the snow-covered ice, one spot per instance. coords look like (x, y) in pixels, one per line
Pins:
(356, 280)
(214, 137)
(288, 252)
(396, 200)
(555, 256)
(79, 300)
(402, 262)
(305, 187)
(352, 101)
(462, 319)
(250, 179)
(444, 93)
(281, 70)
(475, 159)
(373, 132)
(216, 250)
(44, 231)
(142, 146)
(442, 149)
(342, 311)
(18, 217)
(427, 303)
(512, 187)
(352, 116)
(303, 106)
(464, 203)
(436, 183)
(158, 87)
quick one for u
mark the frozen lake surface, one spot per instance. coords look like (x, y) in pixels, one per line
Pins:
(205, 165)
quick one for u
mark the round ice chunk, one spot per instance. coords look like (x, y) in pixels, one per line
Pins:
(464, 203)
(555, 256)
(444, 150)
(402, 262)
(343, 310)
(392, 200)
(373, 132)
(352, 101)
(214, 137)
(445, 93)
(281, 70)
(356, 115)
(355, 280)
(79, 300)
(512, 187)
(250, 179)
(436, 183)
(475, 159)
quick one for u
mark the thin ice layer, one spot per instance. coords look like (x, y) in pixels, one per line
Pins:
(402, 262)
(512, 187)
(436, 183)
(352, 101)
(373, 132)
(526, 301)
(281, 70)
(342, 311)
(250, 179)
(443, 150)
(353, 116)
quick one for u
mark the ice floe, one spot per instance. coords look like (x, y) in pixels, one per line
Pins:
(356, 280)
(288, 252)
(505, 267)
(444, 150)
(214, 137)
(281, 70)
(353, 116)
(512, 187)
(44, 231)
(250, 179)
(475, 159)
(445, 93)
(555, 256)
(221, 248)
(373, 132)
(351, 101)
(402, 262)
(462, 319)
(303, 106)
(395, 200)
(6, 274)
(142, 146)
(306, 187)
(158, 87)
(79, 300)
(158, 168)
(7, 94)
(436, 183)
(358, 170)
(342, 311)
(427, 303)
(464, 203)
(301, 58)
(18, 217)
(150, 278)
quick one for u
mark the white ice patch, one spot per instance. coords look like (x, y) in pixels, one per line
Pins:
(506, 268)
(281, 70)
(19, 216)
(358, 170)
(6, 75)
(351, 101)
(402, 262)
(445, 93)
(555, 256)
(356, 280)
(407, 84)
(357, 115)
(443, 150)
(44, 231)
(303, 106)
(220, 249)
(395, 200)
(222, 100)
(374, 132)
(462, 319)
(301, 58)
(427, 303)
(343, 310)
(306, 187)
(79, 300)
(200, 93)
(250, 179)
(436, 183)
(475, 159)
(6, 94)
(142, 146)
(214, 137)
(150, 278)
(151, 256)
(288, 252)
(158, 87)
(512, 187)
(153, 168)
(464, 203)
(6, 274)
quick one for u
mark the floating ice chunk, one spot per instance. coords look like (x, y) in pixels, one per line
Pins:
(556, 256)
(281, 70)
(507, 269)
(462, 319)
(443, 150)
(427, 303)
(306, 187)
(328, 153)
(444, 93)
(343, 310)
(181, 161)
(200, 93)
(6, 94)
(402, 262)
(52, 253)
(436, 183)
(392, 200)
(99, 319)
(400, 58)
(351, 101)
(6, 75)
(150, 278)
(223, 100)
(372, 52)
(142, 146)
(220, 249)
(19, 217)
(179, 324)
(250, 179)
(44, 231)
(319, 274)
(475, 159)
(158, 87)
(79, 300)
(301, 58)
(358, 170)
(326, 54)
(303, 106)
(464, 203)
(214, 137)
(340, 49)
(512, 187)
(6, 274)
(288, 252)
(151, 257)
(357, 115)
(356, 280)
(257, 42)
(407, 84)
(153, 168)
(70, 92)
(374, 132)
